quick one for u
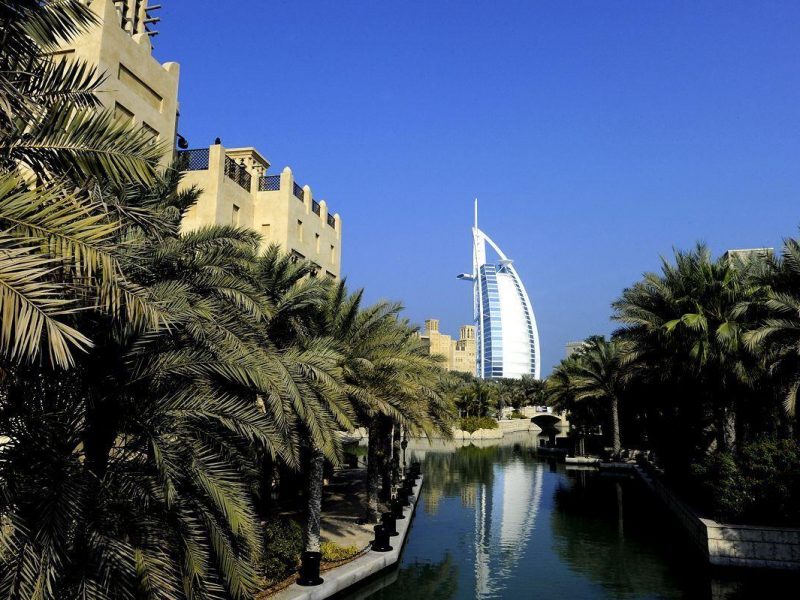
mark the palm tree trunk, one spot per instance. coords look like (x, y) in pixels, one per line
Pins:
(615, 426)
(265, 487)
(726, 430)
(396, 449)
(315, 474)
(373, 471)
(386, 458)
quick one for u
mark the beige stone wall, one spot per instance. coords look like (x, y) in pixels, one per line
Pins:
(287, 216)
(137, 86)
(284, 215)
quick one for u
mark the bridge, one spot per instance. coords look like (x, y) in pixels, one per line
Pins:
(545, 417)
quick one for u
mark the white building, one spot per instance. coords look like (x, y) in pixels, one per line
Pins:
(506, 334)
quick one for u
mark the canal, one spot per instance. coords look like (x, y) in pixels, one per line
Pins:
(499, 522)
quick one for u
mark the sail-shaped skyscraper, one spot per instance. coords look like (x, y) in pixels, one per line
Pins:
(507, 339)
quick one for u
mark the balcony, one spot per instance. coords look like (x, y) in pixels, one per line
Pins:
(238, 173)
(240, 165)
(269, 183)
(297, 191)
(193, 160)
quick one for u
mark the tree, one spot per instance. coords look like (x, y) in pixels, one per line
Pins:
(684, 325)
(478, 398)
(600, 374)
(776, 336)
(56, 255)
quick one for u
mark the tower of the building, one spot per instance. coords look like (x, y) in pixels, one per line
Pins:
(507, 339)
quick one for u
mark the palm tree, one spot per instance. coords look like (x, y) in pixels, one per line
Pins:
(777, 313)
(559, 393)
(684, 324)
(479, 397)
(56, 252)
(128, 471)
(600, 374)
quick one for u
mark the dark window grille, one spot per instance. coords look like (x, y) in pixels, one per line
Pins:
(298, 192)
(315, 207)
(269, 183)
(238, 173)
(193, 160)
(331, 221)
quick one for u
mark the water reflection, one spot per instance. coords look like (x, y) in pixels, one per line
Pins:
(498, 522)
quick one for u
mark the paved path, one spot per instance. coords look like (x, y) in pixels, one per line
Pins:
(341, 578)
(342, 506)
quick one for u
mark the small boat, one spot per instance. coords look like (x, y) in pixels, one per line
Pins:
(582, 460)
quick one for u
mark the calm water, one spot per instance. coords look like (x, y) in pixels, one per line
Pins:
(498, 522)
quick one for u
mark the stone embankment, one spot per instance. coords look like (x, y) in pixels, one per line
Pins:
(731, 545)
(505, 426)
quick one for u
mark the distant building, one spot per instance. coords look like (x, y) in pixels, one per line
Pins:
(137, 87)
(573, 347)
(746, 254)
(464, 350)
(237, 190)
(459, 354)
(507, 338)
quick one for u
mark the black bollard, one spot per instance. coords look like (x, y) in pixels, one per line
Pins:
(309, 569)
(397, 510)
(408, 490)
(402, 497)
(381, 541)
(389, 523)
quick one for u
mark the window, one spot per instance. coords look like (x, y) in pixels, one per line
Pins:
(151, 131)
(265, 231)
(143, 90)
(122, 114)
(316, 240)
(299, 230)
(235, 216)
(333, 255)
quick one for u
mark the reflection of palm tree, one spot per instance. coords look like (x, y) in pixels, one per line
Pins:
(447, 474)
(423, 580)
(588, 536)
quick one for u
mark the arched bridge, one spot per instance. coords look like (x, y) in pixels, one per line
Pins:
(546, 418)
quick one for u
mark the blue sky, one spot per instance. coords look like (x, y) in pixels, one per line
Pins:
(597, 135)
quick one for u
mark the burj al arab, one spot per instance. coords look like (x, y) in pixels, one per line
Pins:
(507, 340)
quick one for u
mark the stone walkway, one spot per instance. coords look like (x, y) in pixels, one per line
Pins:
(342, 506)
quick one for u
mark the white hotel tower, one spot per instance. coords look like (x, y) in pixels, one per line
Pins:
(507, 341)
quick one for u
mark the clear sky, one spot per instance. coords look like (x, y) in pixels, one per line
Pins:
(597, 135)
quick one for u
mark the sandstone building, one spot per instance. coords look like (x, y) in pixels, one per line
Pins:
(137, 87)
(236, 188)
(459, 354)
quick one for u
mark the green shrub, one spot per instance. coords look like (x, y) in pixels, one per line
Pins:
(472, 424)
(518, 415)
(283, 543)
(760, 485)
(333, 552)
